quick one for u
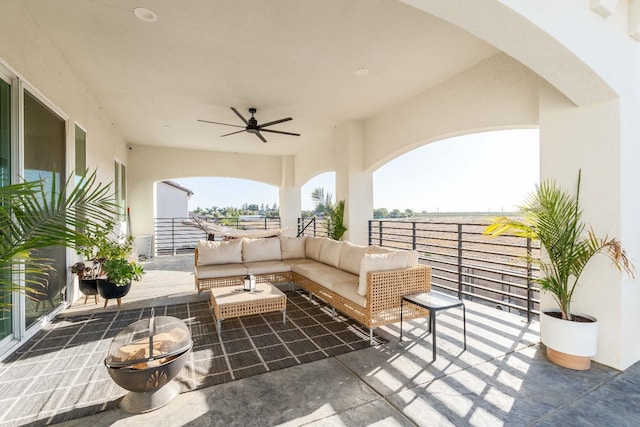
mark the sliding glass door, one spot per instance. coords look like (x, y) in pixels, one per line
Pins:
(44, 158)
(6, 313)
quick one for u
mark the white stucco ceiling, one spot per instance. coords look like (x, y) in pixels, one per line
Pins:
(285, 57)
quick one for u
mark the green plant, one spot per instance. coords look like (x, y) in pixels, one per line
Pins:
(121, 271)
(39, 214)
(333, 212)
(337, 228)
(97, 247)
(555, 218)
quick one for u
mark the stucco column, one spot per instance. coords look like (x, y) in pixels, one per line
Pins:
(354, 185)
(290, 202)
(601, 139)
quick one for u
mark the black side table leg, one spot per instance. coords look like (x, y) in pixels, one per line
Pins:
(464, 325)
(432, 327)
(401, 311)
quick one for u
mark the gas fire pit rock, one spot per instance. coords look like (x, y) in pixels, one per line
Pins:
(145, 357)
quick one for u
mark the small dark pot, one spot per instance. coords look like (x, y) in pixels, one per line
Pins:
(108, 290)
(88, 286)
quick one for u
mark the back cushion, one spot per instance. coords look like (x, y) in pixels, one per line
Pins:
(266, 249)
(375, 249)
(330, 252)
(292, 247)
(412, 259)
(380, 262)
(220, 252)
(351, 257)
(312, 247)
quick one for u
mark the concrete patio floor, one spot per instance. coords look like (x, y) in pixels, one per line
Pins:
(503, 378)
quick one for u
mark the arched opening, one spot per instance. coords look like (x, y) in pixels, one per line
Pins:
(325, 181)
(183, 207)
(483, 173)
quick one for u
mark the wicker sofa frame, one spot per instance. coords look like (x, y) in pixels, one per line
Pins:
(384, 293)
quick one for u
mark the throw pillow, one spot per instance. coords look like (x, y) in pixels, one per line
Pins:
(351, 257)
(292, 247)
(312, 247)
(266, 249)
(330, 252)
(219, 252)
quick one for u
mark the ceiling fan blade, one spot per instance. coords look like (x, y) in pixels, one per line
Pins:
(279, 131)
(232, 133)
(218, 123)
(240, 115)
(259, 135)
(275, 122)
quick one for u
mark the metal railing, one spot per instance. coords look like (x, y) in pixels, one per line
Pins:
(492, 271)
(180, 235)
(313, 226)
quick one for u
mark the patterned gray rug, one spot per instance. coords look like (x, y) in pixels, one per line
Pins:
(60, 375)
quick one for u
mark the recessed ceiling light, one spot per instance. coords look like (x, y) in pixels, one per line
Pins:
(361, 72)
(145, 14)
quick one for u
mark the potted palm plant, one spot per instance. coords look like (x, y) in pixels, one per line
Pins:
(554, 217)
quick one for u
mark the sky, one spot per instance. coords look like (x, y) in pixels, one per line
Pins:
(483, 172)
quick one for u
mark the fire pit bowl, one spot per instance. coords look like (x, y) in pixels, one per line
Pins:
(145, 357)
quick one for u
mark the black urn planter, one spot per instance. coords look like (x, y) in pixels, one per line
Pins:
(89, 287)
(108, 290)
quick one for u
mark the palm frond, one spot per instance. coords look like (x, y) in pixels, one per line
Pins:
(35, 216)
(554, 217)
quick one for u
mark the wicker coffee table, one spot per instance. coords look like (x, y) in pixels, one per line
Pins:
(232, 301)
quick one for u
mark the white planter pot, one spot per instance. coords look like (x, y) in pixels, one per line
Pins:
(572, 344)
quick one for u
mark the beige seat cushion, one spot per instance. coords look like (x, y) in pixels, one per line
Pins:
(323, 274)
(220, 270)
(267, 267)
(219, 252)
(292, 247)
(330, 252)
(265, 249)
(380, 262)
(349, 290)
(312, 247)
(295, 261)
(351, 257)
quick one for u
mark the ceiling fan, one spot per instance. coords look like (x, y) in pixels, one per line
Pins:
(252, 125)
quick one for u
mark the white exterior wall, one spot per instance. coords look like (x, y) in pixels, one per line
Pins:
(171, 202)
(33, 58)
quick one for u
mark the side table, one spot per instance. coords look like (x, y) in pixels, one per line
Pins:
(434, 302)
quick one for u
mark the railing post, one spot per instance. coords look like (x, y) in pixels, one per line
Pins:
(380, 233)
(314, 226)
(529, 282)
(413, 236)
(173, 236)
(459, 261)
(265, 222)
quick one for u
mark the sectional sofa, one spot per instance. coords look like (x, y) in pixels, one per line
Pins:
(365, 283)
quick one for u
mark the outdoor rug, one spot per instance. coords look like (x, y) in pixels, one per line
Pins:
(59, 374)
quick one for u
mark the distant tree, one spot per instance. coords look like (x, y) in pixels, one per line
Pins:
(380, 213)
(322, 201)
(408, 213)
(395, 213)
